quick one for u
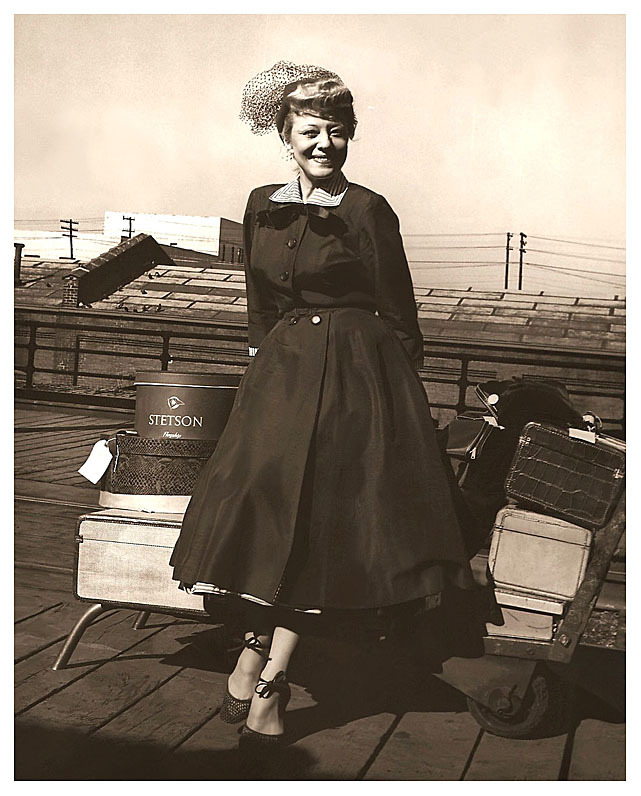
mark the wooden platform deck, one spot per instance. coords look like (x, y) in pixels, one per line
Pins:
(142, 704)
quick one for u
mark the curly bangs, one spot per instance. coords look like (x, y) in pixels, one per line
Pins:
(328, 99)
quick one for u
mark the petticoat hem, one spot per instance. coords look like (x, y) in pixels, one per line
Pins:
(428, 602)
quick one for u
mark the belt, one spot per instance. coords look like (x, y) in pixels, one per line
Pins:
(304, 312)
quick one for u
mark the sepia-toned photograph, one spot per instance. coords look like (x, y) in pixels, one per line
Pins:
(320, 406)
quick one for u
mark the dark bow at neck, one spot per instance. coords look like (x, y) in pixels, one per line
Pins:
(284, 214)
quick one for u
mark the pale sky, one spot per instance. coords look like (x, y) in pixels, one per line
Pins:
(467, 123)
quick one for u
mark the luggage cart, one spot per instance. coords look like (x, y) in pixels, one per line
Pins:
(514, 689)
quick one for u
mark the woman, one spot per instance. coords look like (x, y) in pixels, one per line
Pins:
(326, 494)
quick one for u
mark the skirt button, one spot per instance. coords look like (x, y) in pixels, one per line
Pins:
(316, 319)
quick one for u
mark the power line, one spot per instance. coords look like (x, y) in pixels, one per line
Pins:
(579, 243)
(459, 247)
(459, 263)
(577, 256)
(584, 276)
(575, 270)
(450, 234)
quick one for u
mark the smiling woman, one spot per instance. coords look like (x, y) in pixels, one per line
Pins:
(326, 501)
(319, 147)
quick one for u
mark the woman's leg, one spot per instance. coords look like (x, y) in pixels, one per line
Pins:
(249, 665)
(264, 715)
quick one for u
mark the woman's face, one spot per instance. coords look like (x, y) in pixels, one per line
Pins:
(319, 146)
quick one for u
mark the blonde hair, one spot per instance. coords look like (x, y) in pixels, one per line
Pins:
(327, 98)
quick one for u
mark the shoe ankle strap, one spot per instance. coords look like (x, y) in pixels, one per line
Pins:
(254, 644)
(278, 684)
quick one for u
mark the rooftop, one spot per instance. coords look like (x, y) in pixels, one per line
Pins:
(193, 288)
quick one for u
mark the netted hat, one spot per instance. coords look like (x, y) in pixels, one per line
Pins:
(263, 95)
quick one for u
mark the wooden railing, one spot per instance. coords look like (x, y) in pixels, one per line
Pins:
(66, 354)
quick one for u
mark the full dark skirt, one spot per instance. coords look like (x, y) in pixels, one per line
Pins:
(326, 488)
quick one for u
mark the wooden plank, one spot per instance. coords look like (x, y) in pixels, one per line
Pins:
(59, 429)
(27, 603)
(34, 514)
(158, 723)
(70, 480)
(35, 434)
(427, 746)
(60, 463)
(31, 419)
(64, 432)
(91, 702)
(46, 629)
(33, 550)
(58, 581)
(37, 488)
(509, 759)
(598, 752)
(46, 469)
(35, 679)
(322, 755)
(169, 714)
(56, 527)
(56, 468)
(63, 445)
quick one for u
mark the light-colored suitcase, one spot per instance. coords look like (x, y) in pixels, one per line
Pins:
(520, 623)
(542, 605)
(538, 555)
(123, 558)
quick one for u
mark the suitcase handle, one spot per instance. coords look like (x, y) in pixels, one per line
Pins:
(593, 422)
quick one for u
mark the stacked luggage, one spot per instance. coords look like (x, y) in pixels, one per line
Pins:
(146, 479)
(561, 484)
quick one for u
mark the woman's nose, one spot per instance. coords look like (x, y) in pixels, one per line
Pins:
(324, 141)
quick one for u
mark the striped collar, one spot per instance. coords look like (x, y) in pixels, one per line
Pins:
(330, 195)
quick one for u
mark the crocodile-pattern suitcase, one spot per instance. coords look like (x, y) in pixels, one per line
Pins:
(568, 477)
(122, 557)
(538, 555)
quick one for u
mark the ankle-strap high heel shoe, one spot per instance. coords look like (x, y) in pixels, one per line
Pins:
(233, 710)
(254, 740)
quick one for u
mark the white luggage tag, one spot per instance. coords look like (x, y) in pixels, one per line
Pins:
(580, 433)
(97, 462)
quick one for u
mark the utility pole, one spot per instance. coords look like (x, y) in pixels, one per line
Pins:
(508, 249)
(522, 246)
(69, 232)
(130, 219)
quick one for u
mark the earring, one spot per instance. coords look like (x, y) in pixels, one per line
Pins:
(287, 153)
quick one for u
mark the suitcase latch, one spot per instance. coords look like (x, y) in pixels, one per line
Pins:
(78, 539)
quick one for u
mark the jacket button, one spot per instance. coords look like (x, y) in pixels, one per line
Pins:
(316, 319)
(284, 276)
(291, 243)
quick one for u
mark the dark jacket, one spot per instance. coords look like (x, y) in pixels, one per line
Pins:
(360, 252)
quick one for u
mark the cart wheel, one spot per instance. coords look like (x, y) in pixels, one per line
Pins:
(542, 709)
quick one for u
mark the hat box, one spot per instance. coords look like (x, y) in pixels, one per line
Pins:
(183, 405)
